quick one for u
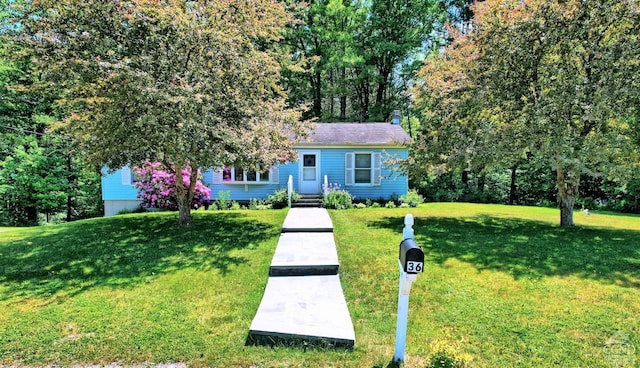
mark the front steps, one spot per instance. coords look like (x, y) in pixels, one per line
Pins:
(308, 201)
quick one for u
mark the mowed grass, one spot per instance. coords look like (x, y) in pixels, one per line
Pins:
(503, 286)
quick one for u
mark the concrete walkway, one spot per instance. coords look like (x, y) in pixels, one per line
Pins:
(303, 300)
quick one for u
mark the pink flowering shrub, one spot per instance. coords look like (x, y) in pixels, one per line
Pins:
(157, 187)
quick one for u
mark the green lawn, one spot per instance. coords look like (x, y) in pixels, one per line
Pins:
(504, 286)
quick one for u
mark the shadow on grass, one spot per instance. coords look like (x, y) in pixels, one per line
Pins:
(122, 251)
(526, 248)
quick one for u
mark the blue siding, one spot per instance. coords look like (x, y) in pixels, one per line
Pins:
(332, 164)
(114, 190)
(392, 184)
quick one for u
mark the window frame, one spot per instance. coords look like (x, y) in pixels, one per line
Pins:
(220, 174)
(375, 168)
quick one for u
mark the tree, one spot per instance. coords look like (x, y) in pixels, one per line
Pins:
(185, 83)
(30, 182)
(355, 53)
(555, 79)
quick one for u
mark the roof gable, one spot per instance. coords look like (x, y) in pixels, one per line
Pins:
(383, 134)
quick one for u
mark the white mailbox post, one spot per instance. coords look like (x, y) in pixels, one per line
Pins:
(411, 262)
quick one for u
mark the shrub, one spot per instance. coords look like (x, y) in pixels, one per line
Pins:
(127, 211)
(157, 187)
(361, 205)
(390, 204)
(338, 199)
(224, 200)
(259, 204)
(280, 199)
(412, 198)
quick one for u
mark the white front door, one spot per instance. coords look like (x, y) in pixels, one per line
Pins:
(309, 172)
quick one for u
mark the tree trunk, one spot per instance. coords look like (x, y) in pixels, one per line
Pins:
(513, 189)
(184, 195)
(465, 178)
(568, 184)
(32, 215)
(71, 181)
(317, 94)
(482, 182)
(343, 97)
(382, 85)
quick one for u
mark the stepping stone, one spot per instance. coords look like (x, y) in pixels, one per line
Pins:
(307, 220)
(303, 308)
(305, 254)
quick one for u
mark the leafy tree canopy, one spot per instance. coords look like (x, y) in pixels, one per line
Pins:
(553, 80)
(187, 83)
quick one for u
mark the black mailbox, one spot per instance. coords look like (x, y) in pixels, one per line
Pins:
(411, 256)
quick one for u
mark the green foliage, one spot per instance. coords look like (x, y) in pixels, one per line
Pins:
(31, 181)
(355, 55)
(412, 198)
(390, 204)
(224, 200)
(280, 199)
(545, 80)
(138, 209)
(259, 204)
(177, 105)
(338, 199)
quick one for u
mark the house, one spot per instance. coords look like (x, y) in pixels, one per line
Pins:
(354, 156)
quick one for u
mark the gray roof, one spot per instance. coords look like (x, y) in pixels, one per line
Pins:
(384, 134)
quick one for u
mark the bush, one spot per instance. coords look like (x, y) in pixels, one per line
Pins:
(338, 199)
(390, 204)
(259, 204)
(361, 205)
(157, 187)
(126, 211)
(412, 199)
(280, 199)
(223, 202)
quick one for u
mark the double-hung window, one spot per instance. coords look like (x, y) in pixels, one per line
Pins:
(236, 175)
(363, 168)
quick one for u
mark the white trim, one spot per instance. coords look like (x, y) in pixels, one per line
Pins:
(349, 173)
(376, 169)
(218, 177)
(375, 178)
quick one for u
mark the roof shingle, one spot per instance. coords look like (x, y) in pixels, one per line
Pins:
(358, 134)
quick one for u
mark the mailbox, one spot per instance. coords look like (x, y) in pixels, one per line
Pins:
(411, 256)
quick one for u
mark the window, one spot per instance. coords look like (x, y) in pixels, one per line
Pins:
(242, 176)
(126, 176)
(362, 168)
